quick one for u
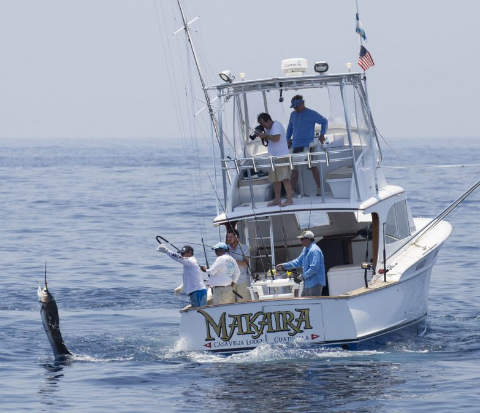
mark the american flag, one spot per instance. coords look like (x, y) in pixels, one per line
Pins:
(365, 60)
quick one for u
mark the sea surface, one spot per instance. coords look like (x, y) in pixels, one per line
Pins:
(90, 209)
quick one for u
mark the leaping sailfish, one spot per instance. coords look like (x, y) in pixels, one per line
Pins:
(51, 322)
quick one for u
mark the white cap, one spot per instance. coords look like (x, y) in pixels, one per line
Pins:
(307, 234)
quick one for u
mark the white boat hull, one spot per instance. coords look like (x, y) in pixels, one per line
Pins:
(351, 318)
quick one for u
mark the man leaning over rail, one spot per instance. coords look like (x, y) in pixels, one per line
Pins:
(312, 263)
(301, 131)
(223, 275)
(193, 284)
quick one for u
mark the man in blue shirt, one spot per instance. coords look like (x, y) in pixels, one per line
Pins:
(313, 266)
(301, 132)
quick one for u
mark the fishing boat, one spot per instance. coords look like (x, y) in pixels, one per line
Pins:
(378, 257)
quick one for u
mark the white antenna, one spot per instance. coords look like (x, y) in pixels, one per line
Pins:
(186, 28)
(218, 135)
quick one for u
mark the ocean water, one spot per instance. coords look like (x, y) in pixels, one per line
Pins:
(91, 209)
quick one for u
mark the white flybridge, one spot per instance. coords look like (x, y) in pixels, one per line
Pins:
(378, 258)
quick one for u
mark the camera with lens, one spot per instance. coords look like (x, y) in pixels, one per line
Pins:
(256, 132)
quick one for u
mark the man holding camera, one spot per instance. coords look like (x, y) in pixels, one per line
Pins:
(274, 134)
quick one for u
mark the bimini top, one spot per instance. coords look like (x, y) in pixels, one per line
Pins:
(287, 83)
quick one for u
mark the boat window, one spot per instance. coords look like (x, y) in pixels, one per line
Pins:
(397, 226)
(337, 123)
(310, 219)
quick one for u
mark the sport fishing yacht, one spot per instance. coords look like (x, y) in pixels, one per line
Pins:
(378, 257)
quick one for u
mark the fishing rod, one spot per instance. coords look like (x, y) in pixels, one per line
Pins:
(230, 222)
(205, 253)
(159, 239)
(385, 270)
(237, 294)
(435, 221)
(204, 246)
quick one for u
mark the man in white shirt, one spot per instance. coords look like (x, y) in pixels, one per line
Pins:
(223, 275)
(277, 146)
(238, 251)
(193, 284)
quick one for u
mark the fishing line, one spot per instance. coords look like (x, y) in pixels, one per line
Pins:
(465, 165)
(232, 226)
(188, 143)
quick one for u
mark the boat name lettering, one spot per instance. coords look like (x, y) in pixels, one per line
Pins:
(254, 324)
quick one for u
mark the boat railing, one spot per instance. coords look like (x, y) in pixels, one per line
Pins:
(268, 162)
(335, 165)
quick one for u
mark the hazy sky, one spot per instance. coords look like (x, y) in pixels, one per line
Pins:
(97, 68)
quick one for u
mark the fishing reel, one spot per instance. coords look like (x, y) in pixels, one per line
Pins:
(295, 276)
(256, 133)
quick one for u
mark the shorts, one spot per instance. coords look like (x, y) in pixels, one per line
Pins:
(300, 149)
(198, 298)
(281, 172)
(303, 149)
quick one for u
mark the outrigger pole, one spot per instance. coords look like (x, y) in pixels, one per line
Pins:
(435, 221)
(186, 28)
(218, 135)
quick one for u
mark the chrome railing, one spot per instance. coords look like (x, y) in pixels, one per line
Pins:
(268, 162)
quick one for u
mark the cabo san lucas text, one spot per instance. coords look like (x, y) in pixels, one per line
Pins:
(255, 324)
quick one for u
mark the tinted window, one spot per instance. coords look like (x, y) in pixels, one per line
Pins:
(397, 226)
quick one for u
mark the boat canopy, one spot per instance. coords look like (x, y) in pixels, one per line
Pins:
(347, 163)
(287, 83)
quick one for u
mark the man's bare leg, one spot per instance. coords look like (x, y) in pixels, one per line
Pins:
(288, 189)
(277, 189)
(294, 180)
(316, 176)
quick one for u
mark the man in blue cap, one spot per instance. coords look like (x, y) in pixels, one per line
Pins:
(223, 275)
(301, 132)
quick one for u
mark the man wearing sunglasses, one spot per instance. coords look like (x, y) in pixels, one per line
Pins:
(313, 266)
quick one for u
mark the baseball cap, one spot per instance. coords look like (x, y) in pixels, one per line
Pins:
(220, 246)
(186, 248)
(307, 234)
(296, 100)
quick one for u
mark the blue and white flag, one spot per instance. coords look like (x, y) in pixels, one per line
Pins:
(359, 28)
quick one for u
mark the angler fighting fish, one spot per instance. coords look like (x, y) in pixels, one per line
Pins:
(51, 323)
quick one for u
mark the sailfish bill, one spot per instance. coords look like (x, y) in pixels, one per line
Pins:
(51, 323)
